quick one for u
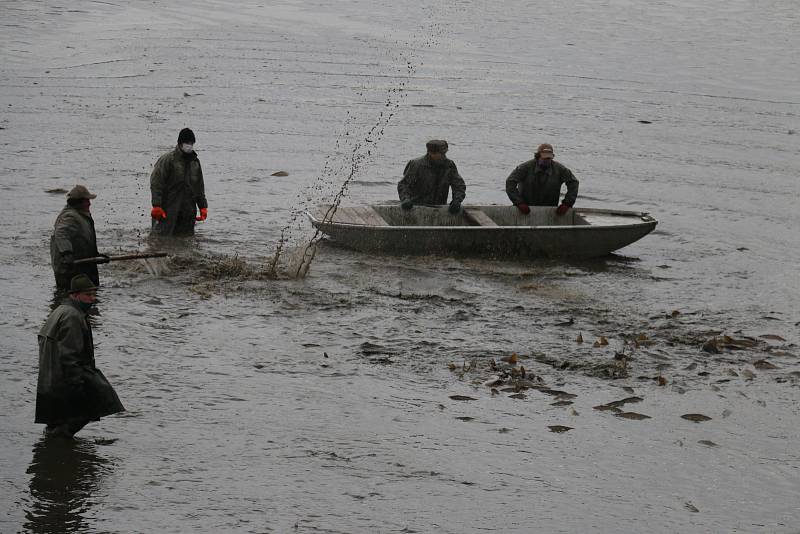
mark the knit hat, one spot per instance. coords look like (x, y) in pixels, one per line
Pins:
(186, 136)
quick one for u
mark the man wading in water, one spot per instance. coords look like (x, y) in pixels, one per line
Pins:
(74, 239)
(426, 180)
(71, 391)
(176, 186)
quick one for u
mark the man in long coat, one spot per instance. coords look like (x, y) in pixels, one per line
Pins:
(177, 189)
(74, 238)
(428, 179)
(537, 182)
(71, 390)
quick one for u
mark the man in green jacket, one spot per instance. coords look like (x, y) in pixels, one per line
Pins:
(74, 239)
(428, 179)
(71, 390)
(177, 189)
(538, 183)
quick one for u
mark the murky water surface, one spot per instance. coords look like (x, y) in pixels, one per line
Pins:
(325, 404)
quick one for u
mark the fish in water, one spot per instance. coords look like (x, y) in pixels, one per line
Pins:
(764, 364)
(563, 395)
(626, 400)
(696, 417)
(558, 429)
(607, 408)
(632, 415)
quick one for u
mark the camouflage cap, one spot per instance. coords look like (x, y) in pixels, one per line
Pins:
(80, 192)
(437, 145)
(81, 283)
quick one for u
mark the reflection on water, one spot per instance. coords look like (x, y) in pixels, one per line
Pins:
(65, 474)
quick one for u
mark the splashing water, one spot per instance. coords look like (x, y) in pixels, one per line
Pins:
(300, 257)
(152, 266)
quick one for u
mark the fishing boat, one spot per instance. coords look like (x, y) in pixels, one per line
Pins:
(493, 231)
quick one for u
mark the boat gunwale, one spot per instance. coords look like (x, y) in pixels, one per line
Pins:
(646, 220)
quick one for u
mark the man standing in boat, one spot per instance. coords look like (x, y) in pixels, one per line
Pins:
(426, 180)
(538, 183)
(177, 189)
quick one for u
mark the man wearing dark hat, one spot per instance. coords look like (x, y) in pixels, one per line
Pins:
(177, 189)
(428, 179)
(538, 183)
(74, 239)
(71, 391)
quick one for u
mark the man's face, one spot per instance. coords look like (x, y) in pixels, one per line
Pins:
(435, 156)
(87, 297)
(85, 205)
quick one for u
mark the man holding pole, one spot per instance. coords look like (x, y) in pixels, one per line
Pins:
(73, 245)
(74, 239)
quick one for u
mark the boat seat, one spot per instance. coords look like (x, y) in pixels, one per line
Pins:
(479, 217)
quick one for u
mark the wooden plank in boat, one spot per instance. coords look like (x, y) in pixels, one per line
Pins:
(477, 216)
(370, 216)
(348, 216)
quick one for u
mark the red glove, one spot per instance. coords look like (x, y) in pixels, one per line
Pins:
(562, 209)
(157, 213)
(203, 215)
(523, 208)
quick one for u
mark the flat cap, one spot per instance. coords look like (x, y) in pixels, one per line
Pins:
(437, 145)
(80, 192)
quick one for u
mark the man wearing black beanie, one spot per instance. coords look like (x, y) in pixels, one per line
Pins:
(177, 189)
(428, 179)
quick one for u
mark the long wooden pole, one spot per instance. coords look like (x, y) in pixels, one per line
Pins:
(125, 257)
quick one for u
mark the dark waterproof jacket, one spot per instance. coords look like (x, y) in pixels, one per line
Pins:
(73, 239)
(70, 386)
(426, 183)
(532, 185)
(176, 185)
